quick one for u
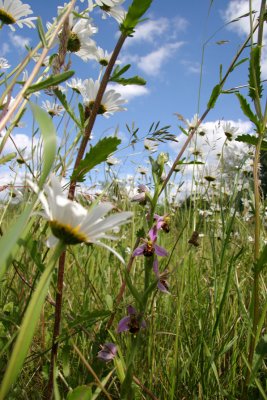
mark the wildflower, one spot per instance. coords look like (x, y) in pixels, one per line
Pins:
(163, 284)
(112, 8)
(11, 12)
(4, 63)
(102, 56)
(142, 170)
(150, 145)
(132, 323)
(108, 352)
(229, 130)
(163, 222)
(112, 161)
(141, 197)
(72, 223)
(150, 247)
(111, 100)
(75, 84)
(79, 41)
(53, 109)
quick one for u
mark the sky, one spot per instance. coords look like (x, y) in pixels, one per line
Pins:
(179, 50)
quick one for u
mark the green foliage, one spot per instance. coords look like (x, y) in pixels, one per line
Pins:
(96, 155)
(41, 32)
(116, 77)
(247, 110)
(252, 140)
(262, 259)
(80, 393)
(7, 158)
(214, 96)
(52, 81)
(255, 86)
(63, 100)
(135, 12)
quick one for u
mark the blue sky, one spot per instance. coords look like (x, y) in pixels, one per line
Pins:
(167, 52)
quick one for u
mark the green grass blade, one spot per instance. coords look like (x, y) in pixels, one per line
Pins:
(28, 325)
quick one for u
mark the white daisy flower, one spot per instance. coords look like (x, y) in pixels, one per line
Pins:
(150, 145)
(229, 130)
(79, 41)
(112, 160)
(75, 84)
(142, 170)
(53, 109)
(12, 11)
(4, 63)
(74, 224)
(112, 8)
(111, 100)
(102, 56)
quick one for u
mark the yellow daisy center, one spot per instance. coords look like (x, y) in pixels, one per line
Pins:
(6, 18)
(67, 233)
(74, 43)
(102, 109)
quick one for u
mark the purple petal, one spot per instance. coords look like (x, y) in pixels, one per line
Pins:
(156, 267)
(108, 352)
(160, 251)
(131, 310)
(153, 234)
(162, 287)
(124, 324)
(139, 251)
(143, 324)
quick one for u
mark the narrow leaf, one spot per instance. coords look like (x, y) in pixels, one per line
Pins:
(96, 155)
(135, 80)
(214, 96)
(53, 80)
(80, 393)
(41, 32)
(262, 260)
(252, 140)
(63, 100)
(49, 139)
(7, 158)
(28, 325)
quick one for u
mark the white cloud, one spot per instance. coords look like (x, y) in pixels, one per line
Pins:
(22, 141)
(192, 67)
(5, 48)
(19, 41)
(152, 63)
(130, 91)
(154, 29)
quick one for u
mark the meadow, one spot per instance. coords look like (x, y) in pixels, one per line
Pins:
(128, 287)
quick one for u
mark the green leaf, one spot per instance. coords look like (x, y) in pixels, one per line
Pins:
(135, 80)
(27, 328)
(96, 155)
(136, 10)
(8, 242)
(53, 80)
(63, 100)
(247, 110)
(120, 71)
(214, 96)
(255, 86)
(239, 63)
(49, 138)
(7, 158)
(132, 289)
(41, 32)
(253, 140)
(80, 393)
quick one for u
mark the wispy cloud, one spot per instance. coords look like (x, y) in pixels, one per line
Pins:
(192, 67)
(152, 63)
(154, 29)
(4, 49)
(130, 91)
(19, 41)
